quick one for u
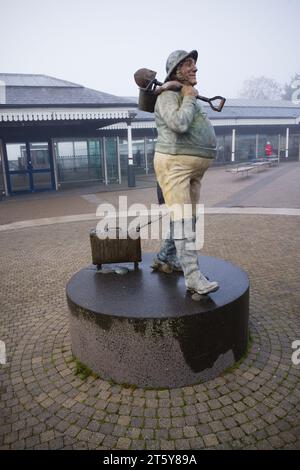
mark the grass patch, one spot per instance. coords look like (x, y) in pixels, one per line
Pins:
(129, 386)
(83, 372)
(237, 364)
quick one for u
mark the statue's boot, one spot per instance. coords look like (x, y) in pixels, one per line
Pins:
(195, 281)
(166, 260)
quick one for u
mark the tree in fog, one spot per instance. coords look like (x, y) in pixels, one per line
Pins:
(261, 88)
(291, 91)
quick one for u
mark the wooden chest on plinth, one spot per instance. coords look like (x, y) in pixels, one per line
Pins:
(115, 246)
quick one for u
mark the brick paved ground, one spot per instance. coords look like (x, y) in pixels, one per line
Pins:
(44, 405)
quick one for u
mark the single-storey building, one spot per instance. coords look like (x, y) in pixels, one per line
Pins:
(55, 134)
(49, 133)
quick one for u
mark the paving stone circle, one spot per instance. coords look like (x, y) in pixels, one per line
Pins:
(44, 405)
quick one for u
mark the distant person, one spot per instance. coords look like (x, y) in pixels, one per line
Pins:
(138, 158)
(268, 149)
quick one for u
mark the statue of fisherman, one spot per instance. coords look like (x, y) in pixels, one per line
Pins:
(185, 148)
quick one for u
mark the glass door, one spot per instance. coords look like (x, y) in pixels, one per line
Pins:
(112, 164)
(18, 176)
(29, 167)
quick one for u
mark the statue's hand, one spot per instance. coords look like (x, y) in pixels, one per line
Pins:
(188, 90)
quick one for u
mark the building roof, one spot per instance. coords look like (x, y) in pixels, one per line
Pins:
(41, 91)
(243, 109)
(27, 90)
(30, 80)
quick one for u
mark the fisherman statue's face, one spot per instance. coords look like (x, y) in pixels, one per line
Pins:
(186, 72)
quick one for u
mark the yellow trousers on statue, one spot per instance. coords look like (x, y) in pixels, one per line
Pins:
(179, 177)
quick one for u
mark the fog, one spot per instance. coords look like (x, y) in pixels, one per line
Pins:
(100, 44)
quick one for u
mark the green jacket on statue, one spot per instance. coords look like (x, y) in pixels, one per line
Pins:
(182, 126)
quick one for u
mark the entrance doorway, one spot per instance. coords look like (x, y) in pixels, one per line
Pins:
(29, 167)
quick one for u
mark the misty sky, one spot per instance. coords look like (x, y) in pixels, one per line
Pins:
(101, 43)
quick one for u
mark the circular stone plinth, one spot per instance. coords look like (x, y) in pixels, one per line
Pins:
(142, 328)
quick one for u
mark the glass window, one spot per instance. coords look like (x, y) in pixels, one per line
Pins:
(2, 188)
(64, 148)
(79, 160)
(19, 182)
(111, 159)
(143, 163)
(123, 148)
(39, 155)
(80, 148)
(294, 146)
(17, 157)
(223, 148)
(41, 180)
(95, 159)
(138, 152)
(245, 147)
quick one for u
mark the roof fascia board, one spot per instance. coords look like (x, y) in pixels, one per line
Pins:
(254, 122)
(66, 105)
(217, 122)
(62, 113)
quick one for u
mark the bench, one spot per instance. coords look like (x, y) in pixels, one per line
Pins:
(273, 160)
(262, 164)
(240, 169)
